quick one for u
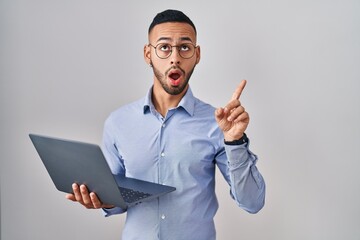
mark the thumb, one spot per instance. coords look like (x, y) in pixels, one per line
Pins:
(219, 113)
(70, 197)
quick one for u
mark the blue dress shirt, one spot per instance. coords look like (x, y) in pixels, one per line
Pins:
(182, 150)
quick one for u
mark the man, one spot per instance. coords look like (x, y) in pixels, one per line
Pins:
(171, 137)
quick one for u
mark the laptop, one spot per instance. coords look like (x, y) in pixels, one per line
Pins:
(69, 162)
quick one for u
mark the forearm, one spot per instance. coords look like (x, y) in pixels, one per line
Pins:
(247, 184)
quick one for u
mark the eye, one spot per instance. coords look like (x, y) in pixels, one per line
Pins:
(185, 47)
(164, 47)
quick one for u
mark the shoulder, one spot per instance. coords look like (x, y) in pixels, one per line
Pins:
(125, 111)
(202, 108)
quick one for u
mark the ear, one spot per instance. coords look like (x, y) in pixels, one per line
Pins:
(198, 55)
(147, 54)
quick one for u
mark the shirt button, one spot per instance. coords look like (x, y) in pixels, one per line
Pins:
(163, 125)
(163, 217)
(163, 154)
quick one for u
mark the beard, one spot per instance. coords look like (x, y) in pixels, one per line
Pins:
(172, 90)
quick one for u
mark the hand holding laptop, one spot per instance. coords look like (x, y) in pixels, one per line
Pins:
(88, 200)
(80, 169)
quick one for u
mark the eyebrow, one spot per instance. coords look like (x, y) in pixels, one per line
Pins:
(169, 39)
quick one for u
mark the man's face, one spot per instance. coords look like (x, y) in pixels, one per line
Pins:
(172, 74)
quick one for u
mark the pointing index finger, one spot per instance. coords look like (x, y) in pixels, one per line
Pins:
(238, 91)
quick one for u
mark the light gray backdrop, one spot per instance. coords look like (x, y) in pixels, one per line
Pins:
(65, 65)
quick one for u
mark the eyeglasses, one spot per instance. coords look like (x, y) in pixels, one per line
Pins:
(164, 50)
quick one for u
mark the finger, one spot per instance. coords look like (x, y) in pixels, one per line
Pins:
(77, 193)
(236, 113)
(231, 106)
(95, 200)
(85, 195)
(244, 117)
(238, 91)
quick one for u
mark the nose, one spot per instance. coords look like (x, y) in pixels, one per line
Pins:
(175, 56)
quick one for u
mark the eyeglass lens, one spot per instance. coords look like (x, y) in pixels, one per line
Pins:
(164, 50)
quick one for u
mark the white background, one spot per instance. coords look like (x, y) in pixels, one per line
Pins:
(65, 65)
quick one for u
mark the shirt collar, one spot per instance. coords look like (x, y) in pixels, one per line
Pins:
(187, 102)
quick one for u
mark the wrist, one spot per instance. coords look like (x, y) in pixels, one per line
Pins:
(242, 140)
(233, 137)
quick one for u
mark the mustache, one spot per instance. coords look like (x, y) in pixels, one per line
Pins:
(174, 67)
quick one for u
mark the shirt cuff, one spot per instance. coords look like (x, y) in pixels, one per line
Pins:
(242, 140)
(107, 212)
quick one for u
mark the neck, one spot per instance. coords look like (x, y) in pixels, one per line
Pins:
(163, 101)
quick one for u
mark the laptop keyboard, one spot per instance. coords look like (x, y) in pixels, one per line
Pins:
(130, 195)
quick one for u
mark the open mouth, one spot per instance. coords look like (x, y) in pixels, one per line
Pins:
(175, 77)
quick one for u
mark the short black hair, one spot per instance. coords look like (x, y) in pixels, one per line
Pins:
(171, 15)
